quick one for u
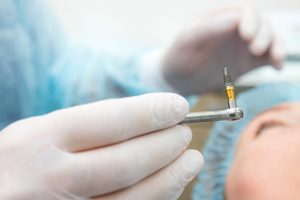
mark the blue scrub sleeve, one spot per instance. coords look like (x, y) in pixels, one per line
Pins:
(41, 70)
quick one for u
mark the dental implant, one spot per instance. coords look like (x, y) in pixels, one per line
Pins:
(229, 88)
(233, 113)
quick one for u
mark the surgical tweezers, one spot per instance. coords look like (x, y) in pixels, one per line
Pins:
(230, 114)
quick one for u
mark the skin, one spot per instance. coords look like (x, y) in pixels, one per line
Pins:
(267, 161)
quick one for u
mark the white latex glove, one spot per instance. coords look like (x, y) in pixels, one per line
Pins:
(116, 149)
(237, 37)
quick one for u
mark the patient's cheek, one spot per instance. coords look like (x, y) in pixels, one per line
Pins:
(253, 173)
(260, 169)
(242, 183)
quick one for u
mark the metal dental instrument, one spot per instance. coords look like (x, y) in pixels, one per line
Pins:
(219, 115)
(231, 114)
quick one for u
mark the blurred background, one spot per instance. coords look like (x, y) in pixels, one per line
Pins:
(155, 23)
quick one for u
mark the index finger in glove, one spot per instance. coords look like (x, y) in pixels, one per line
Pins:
(106, 122)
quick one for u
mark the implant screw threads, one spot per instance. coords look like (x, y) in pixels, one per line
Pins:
(229, 88)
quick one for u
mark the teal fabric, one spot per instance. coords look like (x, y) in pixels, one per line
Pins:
(40, 70)
(219, 149)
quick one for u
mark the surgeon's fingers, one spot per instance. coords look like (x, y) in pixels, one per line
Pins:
(257, 31)
(103, 123)
(262, 40)
(277, 52)
(249, 22)
(129, 162)
(167, 184)
(215, 26)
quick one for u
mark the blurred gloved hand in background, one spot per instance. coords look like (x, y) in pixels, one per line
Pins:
(236, 36)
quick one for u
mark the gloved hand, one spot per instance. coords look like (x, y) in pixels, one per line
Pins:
(127, 148)
(237, 37)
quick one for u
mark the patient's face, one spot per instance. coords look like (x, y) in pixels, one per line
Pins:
(267, 159)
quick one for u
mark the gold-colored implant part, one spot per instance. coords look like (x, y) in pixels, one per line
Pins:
(230, 93)
(229, 88)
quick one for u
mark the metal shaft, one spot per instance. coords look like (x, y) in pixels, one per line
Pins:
(219, 115)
